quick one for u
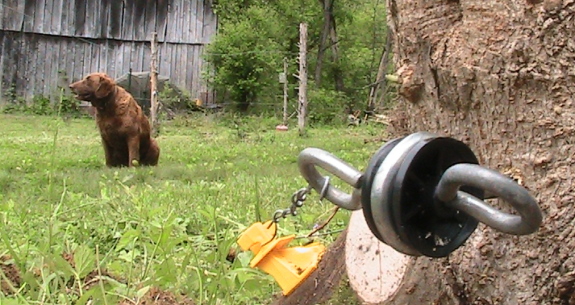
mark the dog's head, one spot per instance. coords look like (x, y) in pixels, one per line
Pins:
(93, 87)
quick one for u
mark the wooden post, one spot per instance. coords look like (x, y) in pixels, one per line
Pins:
(285, 92)
(302, 100)
(154, 83)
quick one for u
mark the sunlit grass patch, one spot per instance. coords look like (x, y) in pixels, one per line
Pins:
(77, 230)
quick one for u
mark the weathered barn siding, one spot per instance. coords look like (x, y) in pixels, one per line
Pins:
(45, 44)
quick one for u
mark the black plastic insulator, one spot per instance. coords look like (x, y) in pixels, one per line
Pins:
(423, 222)
(369, 174)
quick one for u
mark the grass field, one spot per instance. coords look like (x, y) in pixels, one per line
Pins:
(74, 230)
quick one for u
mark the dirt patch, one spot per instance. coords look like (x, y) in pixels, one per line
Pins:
(11, 276)
(91, 279)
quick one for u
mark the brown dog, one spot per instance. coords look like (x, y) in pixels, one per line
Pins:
(124, 128)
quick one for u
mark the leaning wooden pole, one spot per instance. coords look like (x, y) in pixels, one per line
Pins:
(302, 100)
(154, 83)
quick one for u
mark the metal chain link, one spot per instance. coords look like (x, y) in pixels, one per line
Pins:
(297, 200)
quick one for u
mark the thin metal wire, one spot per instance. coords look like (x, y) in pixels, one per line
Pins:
(323, 225)
(320, 234)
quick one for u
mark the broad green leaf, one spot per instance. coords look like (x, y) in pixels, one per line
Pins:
(93, 293)
(128, 238)
(63, 266)
(85, 260)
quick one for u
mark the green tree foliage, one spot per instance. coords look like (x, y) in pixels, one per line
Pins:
(254, 36)
(245, 55)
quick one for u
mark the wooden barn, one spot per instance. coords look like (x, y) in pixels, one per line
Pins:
(45, 44)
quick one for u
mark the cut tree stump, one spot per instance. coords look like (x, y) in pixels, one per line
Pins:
(381, 275)
(375, 270)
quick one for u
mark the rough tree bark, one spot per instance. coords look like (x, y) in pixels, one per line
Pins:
(498, 75)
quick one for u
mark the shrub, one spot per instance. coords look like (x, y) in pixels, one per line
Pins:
(42, 105)
(245, 59)
(326, 106)
(175, 99)
(69, 105)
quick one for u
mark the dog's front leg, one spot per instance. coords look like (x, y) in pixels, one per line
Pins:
(134, 151)
(108, 153)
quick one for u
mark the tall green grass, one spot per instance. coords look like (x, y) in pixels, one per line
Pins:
(77, 230)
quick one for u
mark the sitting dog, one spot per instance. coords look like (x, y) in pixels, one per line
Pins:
(124, 128)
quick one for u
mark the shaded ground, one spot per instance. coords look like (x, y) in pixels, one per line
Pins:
(11, 276)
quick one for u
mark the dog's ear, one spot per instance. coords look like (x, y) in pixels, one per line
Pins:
(105, 87)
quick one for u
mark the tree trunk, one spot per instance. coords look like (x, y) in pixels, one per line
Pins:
(498, 75)
(302, 90)
(327, 6)
(337, 73)
(379, 87)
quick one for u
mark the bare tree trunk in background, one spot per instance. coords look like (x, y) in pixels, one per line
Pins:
(379, 87)
(378, 80)
(329, 31)
(327, 6)
(302, 98)
(338, 73)
(498, 75)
